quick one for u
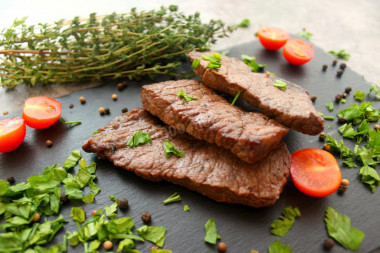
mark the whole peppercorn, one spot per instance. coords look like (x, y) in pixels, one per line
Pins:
(107, 245)
(334, 62)
(101, 110)
(11, 180)
(107, 110)
(342, 120)
(322, 136)
(377, 127)
(36, 217)
(123, 203)
(71, 106)
(339, 73)
(5, 113)
(64, 198)
(348, 89)
(120, 86)
(124, 110)
(313, 98)
(338, 97)
(345, 182)
(344, 95)
(342, 189)
(324, 67)
(48, 143)
(82, 99)
(114, 97)
(326, 147)
(222, 246)
(328, 244)
(342, 66)
(146, 217)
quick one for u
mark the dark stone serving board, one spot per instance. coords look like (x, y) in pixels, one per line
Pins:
(241, 228)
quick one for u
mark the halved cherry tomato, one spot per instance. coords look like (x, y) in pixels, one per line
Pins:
(315, 172)
(41, 112)
(272, 38)
(298, 52)
(12, 133)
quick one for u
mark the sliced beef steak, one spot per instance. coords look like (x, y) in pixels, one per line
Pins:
(251, 136)
(291, 107)
(206, 168)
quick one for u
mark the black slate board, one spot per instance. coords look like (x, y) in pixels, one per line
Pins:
(242, 228)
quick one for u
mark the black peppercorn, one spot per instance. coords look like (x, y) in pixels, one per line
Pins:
(123, 203)
(324, 67)
(334, 62)
(11, 180)
(107, 110)
(348, 90)
(71, 106)
(339, 73)
(342, 120)
(322, 136)
(146, 217)
(342, 66)
(313, 98)
(124, 110)
(328, 243)
(342, 189)
(338, 97)
(64, 198)
(120, 86)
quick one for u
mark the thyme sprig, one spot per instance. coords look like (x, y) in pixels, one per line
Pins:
(130, 45)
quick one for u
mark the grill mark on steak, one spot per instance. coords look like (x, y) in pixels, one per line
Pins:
(224, 177)
(251, 136)
(291, 107)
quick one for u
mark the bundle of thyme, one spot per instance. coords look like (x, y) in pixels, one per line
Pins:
(131, 45)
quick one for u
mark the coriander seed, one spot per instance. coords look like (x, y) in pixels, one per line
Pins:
(124, 110)
(123, 203)
(114, 97)
(322, 136)
(328, 244)
(36, 217)
(5, 113)
(11, 180)
(107, 245)
(345, 182)
(101, 110)
(348, 89)
(48, 143)
(154, 247)
(377, 127)
(82, 100)
(146, 217)
(313, 98)
(326, 147)
(222, 246)
(344, 95)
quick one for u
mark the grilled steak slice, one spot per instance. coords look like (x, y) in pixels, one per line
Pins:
(206, 168)
(251, 136)
(291, 107)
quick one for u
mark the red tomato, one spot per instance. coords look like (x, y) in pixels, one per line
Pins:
(272, 38)
(41, 112)
(12, 133)
(315, 172)
(298, 52)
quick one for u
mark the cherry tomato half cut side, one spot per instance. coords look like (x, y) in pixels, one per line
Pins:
(272, 38)
(298, 52)
(41, 112)
(12, 133)
(315, 172)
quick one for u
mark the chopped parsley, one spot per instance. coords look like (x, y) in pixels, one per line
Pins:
(251, 62)
(70, 123)
(195, 63)
(72, 160)
(214, 60)
(279, 247)
(359, 95)
(181, 94)
(305, 34)
(211, 232)
(186, 208)
(279, 84)
(175, 197)
(357, 113)
(347, 131)
(245, 23)
(281, 226)
(139, 138)
(78, 214)
(153, 234)
(343, 151)
(375, 89)
(328, 117)
(339, 227)
(235, 98)
(170, 149)
(330, 106)
(341, 54)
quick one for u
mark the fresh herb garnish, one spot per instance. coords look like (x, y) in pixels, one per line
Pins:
(181, 94)
(139, 138)
(78, 214)
(343, 151)
(70, 123)
(251, 62)
(72, 160)
(171, 150)
(341, 54)
(330, 106)
(339, 227)
(245, 23)
(281, 226)
(186, 208)
(235, 98)
(175, 197)
(159, 251)
(375, 89)
(359, 95)
(279, 84)
(195, 63)
(211, 232)
(153, 234)
(214, 60)
(305, 34)
(279, 247)
(347, 131)
(328, 117)
(357, 113)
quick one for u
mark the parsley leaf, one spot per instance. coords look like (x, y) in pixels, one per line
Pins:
(70, 123)
(279, 247)
(359, 95)
(72, 160)
(78, 214)
(281, 226)
(339, 227)
(181, 94)
(171, 150)
(139, 138)
(349, 162)
(347, 131)
(328, 117)
(245, 23)
(279, 84)
(305, 34)
(370, 177)
(235, 98)
(339, 147)
(211, 232)
(330, 106)
(186, 208)
(214, 60)
(195, 63)
(357, 113)
(153, 234)
(173, 198)
(375, 89)
(251, 62)
(341, 54)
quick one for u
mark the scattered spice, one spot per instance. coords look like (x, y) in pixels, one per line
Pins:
(124, 110)
(222, 246)
(5, 113)
(107, 110)
(377, 127)
(344, 95)
(324, 67)
(328, 244)
(342, 189)
(36, 217)
(11, 180)
(71, 106)
(345, 182)
(107, 245)
(348, 89)
(154, 247)
(114, 97)
(339, 73)
(338, 97)
(64, 198)
(48, 143)
(123, 203)
(313, 98)
(342, 66)
(146, 217)
(322, 136)
(342, 120)
(82, 100)
(326, 147)
(101, 110)
(334, 62)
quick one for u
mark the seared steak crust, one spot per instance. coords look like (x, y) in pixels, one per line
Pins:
(212, 171)
(291, 107)
(251, 136)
